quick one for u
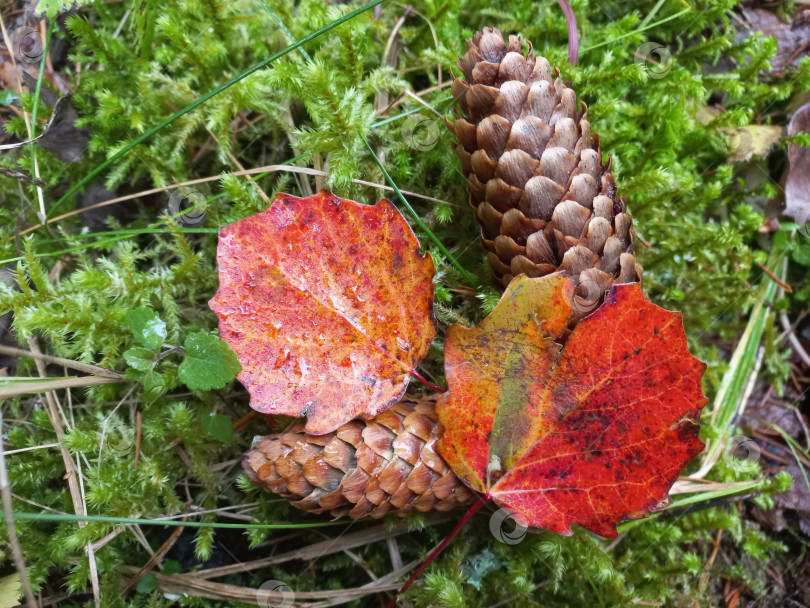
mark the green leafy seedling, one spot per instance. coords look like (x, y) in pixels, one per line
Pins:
(142, 359)
(218, 427)
(209, 363)
(147, 327)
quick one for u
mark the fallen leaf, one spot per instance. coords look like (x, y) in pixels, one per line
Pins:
(791, 38)
(766, 408)
(328, 304)
(752, 140)
(591, 431)
(10, 591)
(797, 186)
(59, 135)
(797, 497)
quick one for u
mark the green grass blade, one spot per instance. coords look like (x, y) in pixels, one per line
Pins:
(195, 104)
(409, 112)
(284, 28)
(794, 445)
(35, 107)
(639, 30)
(690, 500)
(742, 363)
(464, 273)
(166, 522)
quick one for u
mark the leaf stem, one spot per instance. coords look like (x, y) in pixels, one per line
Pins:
(482, 500)
(427, 383)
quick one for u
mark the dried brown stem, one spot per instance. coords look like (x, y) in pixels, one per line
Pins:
(13, 541)
(70, 363)
(70, 465)
(326, 547)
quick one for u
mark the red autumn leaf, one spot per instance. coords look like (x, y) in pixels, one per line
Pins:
(328, 304)
(592, 431)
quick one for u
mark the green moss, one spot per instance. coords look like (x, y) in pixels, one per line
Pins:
(697, 220)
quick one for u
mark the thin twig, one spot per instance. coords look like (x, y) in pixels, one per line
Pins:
(156, 556)
(77, 365)
(507, 601)
(372, 587)
(326, 547)
(794, 341)
(67, 457)
(137, 439)
(104, 429)
(193, 586)
(418, 99)
(435, 38)
(25, 388)
(782, 284)
(441, 547)
(213, 178)
(8, 508)
(36, 447)
(100, 543)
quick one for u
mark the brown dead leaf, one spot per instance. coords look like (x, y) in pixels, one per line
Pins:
(797, 498)
(792, 38)
(797, 186)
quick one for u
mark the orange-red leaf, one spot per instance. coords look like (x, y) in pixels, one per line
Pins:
(590, 432)
(328, 304)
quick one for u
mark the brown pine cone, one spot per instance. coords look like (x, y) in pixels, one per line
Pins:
(543, 197)
(366, 467)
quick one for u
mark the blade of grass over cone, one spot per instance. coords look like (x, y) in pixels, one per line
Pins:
(262, 64)
(467, 276)
(22, 516)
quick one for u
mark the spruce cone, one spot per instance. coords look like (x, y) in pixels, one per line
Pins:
(366, 467)
(534, 172)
